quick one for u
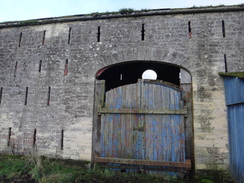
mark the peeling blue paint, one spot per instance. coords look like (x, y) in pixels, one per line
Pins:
(234, 93)
(143, 136)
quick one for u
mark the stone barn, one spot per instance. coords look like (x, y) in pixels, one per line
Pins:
(72, 87)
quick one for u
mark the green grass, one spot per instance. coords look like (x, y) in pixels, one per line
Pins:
(12, 166)
(38, 169)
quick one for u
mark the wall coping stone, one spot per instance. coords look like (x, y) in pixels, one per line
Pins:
(112, 15)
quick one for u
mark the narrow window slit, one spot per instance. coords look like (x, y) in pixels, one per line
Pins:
(98, 34)
(34, 138)
(43, 38)
(48, 96)
(15, 68)
(223, 28)
(1, 94)
(40, 66)
(9, 135)
(225, 60)
(121, 77)
(62, 139)
(143, 32)
(66, 67)
(189, 29)
(20, 38)
(26, 95)
(69, 35)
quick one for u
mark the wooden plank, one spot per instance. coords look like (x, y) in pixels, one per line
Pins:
(236, 128)
(142, 168)
(234, 88)
(186, 164)
(187, 95)
(142, 111)
(96, 126)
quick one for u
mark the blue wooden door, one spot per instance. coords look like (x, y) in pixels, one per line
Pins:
(234, 94)
(142, 125)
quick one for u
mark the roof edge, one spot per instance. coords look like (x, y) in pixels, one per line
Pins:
(111, 15)
(232, 74)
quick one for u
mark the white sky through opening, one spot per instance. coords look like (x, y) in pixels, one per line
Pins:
(149, 74)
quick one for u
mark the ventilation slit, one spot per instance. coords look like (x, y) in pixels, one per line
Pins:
(225, 59)
(223, 28)
(40, 66)
(34, 138)
(15, 68)
(69, 35)
(20, 38)
(189, 29)
(9, 136)
(143, 32)
(66, 67)
(62, 139)
(48, 96)
(26, 95)
(1, 94)
(43, 38)
(121, 77)
(98, 34)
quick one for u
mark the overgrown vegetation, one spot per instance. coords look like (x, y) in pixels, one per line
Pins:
(36, 169)
(204, 7)
(28, 22)
(126, 11)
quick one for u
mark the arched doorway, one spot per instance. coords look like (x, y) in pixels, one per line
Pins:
(129, 72)
(128, 106)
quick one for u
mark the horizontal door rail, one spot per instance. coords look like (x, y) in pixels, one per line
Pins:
(186, 164)
(236, 103)
(134, 167)
(141, 111)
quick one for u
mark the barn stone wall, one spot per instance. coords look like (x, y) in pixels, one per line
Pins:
(47, 74)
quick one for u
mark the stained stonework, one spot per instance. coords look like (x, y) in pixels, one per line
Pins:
(57, 61)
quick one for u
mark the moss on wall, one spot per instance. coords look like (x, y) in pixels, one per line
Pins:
(233, 74)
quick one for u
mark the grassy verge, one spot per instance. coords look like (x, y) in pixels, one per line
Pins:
(45, 170)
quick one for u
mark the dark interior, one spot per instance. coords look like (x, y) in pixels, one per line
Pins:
(128, 73)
